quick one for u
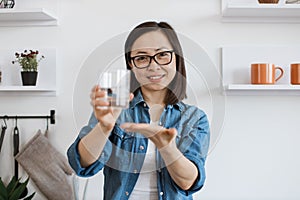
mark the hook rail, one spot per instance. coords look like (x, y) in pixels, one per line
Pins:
(51, 117)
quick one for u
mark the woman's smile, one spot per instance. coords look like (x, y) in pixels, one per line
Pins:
(156, 78)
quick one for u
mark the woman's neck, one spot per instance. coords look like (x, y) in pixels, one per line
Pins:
(154, 97)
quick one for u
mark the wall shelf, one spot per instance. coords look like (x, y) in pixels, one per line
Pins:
(11, 83)
(25, 88)
(26, 17)
(250, 89)
(236, 69)
(27, 91)
(255, 12)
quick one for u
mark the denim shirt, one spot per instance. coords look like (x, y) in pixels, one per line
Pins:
(123, 154)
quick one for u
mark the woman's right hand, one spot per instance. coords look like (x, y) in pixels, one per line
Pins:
(106, 115)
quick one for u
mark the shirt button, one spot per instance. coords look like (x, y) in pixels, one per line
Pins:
(161, 193)
(159, 123)
(142, 147)
(145, 105)
(135, 171)
(127, 193)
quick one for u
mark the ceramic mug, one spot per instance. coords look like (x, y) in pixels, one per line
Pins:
(295, 73)
(265, 73)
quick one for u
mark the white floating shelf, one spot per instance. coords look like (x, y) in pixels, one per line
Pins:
(28, 17)
(11, 74)
(253, 89)
(287, 13)
(27, 90)
(236, 69)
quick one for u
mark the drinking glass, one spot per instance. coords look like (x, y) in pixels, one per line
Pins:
(116, 83)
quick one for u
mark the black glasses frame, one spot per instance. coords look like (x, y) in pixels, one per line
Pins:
(153, 57)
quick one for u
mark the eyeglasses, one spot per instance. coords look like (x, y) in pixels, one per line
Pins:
(144, 61)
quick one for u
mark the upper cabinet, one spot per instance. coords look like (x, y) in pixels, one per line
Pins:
(27, 17)
(241, 11)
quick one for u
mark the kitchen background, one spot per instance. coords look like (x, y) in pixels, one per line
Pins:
(257, 150)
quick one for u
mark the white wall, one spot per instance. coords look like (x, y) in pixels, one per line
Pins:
(257, 154)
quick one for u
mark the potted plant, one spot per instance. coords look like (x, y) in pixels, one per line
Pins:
(7, 3)
(29, 64)
(14, 190)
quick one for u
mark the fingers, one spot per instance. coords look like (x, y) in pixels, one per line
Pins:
(133, 127)
(97, 97)
(171, 131)
(159, 135)
(149, 130)
(131, 96)
(103, 112)
(116, 112)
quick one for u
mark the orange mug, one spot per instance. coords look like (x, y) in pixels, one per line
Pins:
(295, 73)
(265, 73)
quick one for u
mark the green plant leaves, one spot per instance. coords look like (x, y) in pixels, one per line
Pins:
(14, 189)
(3, 192)
(11, 185)
(18, 190)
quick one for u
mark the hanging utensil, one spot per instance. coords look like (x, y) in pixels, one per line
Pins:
(16, 149)
(2, 136)
(16, 141)
(3, 133)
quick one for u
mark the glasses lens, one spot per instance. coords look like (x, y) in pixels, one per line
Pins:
(141, 61)
(163, 58)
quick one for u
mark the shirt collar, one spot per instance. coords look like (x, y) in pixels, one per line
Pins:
(178, 106)
(139, 99)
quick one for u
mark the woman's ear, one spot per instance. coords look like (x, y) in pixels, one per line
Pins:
(130, 64)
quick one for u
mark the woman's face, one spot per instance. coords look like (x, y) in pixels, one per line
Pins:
(156, 76)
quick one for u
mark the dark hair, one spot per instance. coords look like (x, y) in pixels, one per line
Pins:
(177, 88)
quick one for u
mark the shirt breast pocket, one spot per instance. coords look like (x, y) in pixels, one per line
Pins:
(121, 139)
(185, 137)
(124, 156)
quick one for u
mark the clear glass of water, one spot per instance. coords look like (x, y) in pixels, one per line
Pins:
(116, 83)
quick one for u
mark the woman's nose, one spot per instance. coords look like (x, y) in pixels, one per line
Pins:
(153, 65)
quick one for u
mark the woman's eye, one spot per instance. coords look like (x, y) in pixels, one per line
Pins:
(163, 54)
(141, 58)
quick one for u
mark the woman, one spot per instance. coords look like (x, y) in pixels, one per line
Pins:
(155, 149)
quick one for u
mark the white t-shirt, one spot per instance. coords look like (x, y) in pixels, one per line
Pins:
(146, 185)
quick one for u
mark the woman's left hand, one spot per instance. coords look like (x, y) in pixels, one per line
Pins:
(159, 135)
(183, 171)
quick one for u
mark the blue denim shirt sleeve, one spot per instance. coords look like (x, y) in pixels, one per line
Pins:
(74, 157)
(198, 151)
(194, 144)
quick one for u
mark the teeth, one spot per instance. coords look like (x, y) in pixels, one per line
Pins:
(155, 77)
